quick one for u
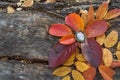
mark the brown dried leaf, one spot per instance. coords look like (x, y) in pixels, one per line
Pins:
(10, 9)
(90, 73)
(107, 57)
(62, 71)
(111, 39)
(66, 77)
(118, 46)
(100, 39)
(112, 14)
(90, 14)
(118, 54)
(106, 72)
(81, 66)
(76, 75)
(27, 3)
(115, 64)
(80, 57)
(70, 60)
(102, 10)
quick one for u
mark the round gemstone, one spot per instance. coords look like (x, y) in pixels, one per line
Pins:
(80, 36)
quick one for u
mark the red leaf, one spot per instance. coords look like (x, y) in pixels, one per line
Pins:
(90, 14)
(102, 10)
(106, 72)
(96, 28)
(59, 30)
(115, 64)
(90, 73)
(60, 53)
(68, 39)
(112, 14)
(75, 21)
(92, 52)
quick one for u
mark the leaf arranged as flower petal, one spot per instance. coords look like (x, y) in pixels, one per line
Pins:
(102, 10)
(92, 52)
(90, 73)
(100, 39)
(106, 72)
(96, 28)
(62, 71)
(115, 64)
(81, 66)
(76, 75)
(59, 30)
(68, 39)
(60, 53)
(74, 21)
(90, 14)
(66, 77)
(112, 14)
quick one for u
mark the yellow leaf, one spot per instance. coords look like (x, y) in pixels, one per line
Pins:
(66, 77)
(76, 75)
(111, 39)
(10, 9)
(27, 3)
(81, 66)
(50, 1)
(80, 57)
(70, 60)
(107, 57)
(62, 71)
(100, 39)
(118, 46)
(118, 54)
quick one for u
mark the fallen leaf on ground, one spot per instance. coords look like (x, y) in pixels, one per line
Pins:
(102, 10)
(90, 73)
(115, 64)
(10, 9)
(111, 39)
(107, 57)
(70, 60)
(77, 75)
(27, 3)
(106, 72)
(100, 39)
(118, 54)
(50, 1)
(62, 71)
(118, 46)
(81, 66)
(66, 77)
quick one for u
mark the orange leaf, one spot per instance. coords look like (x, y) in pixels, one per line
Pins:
(76, 75)
(62, 71)
(75, 21)
(107, 57)
(90, 14)
(100, 39)
(70, 60)
(112, 14)
(115, 64)
(118, 46)
(118, 54)
(90, 73)
(28, 3)
(81, 66)
(68, 39)
(102, 10)
(111, 39)
(66, 77)
(59, 30)
(106, 72)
